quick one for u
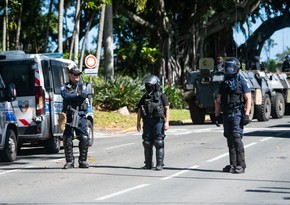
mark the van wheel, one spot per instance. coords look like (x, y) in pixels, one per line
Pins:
(9, 153)
(90, 132)
(52, 145)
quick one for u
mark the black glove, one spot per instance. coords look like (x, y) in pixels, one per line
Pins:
(217, 120)
(246, 119)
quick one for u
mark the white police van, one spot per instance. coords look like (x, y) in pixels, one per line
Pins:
(38, 79)
(8, 123)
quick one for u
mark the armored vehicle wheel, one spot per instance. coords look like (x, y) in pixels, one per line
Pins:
(263, 111)
(90, 132)
(197, 114)
(278, 106)
(252, 111)
(52, 145)
(9, 153)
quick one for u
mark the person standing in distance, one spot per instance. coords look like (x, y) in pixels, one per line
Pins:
(153, 108)
(234, 100)
(74, 94)
(286, 64)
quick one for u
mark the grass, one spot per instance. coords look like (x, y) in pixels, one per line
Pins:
(114, 120)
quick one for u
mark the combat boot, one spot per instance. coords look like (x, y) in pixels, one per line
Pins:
(68, 152)
(239, 170)
(148, 152)
(83, 148)
(159, 159)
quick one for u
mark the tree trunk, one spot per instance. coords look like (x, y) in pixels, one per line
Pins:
(76, 41)
(85, 40)
(108, 42)
(100, 36)
(60, 26)
(47, 26)
(17, 43)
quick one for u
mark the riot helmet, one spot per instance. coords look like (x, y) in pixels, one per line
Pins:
(287, 57)
(232, 66)
(152, 83)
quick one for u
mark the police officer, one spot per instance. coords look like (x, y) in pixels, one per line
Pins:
(75, 106)
(153, 108)
(286, 64)
(219, 64)
(234, 100)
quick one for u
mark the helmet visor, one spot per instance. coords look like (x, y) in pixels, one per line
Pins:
(230, 67)
(149, 87)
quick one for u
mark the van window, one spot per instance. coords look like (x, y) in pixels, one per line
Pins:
(45, 69)
(60, 76)
(21, 74)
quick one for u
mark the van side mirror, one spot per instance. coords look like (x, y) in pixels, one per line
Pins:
(10, 91)
(90, 90)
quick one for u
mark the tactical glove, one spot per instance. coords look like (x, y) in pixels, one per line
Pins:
(217, 119)
(246, 119)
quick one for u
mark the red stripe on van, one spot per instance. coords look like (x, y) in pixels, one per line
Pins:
(24, 122)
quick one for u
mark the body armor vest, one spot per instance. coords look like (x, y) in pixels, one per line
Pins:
(153, 106)
(232, 96)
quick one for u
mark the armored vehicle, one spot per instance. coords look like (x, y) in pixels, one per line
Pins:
(270, 92)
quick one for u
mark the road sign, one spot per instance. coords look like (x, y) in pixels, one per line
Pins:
(91, 61)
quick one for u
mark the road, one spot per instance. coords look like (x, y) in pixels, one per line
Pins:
(194, 157)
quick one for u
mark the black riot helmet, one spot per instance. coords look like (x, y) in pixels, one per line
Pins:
(232, 66)
(152, 83)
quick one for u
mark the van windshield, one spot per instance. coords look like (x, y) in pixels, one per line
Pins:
(20, 73)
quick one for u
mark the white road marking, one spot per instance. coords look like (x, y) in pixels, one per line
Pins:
(265, 139)
(122, 145)
(9, 171)
(226, 154)
(179, 173)
(121, 192)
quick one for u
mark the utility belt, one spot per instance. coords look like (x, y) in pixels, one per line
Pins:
(153, 118)
(231, 111)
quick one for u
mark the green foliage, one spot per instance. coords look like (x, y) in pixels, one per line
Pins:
(273, 66)
(117, 92)
(175, 97)
(151, 54)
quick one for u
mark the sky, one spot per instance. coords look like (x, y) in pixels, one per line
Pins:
(280, 37)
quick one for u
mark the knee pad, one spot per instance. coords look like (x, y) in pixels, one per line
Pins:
(147, 144)
(159, 143)
(238, 141)
(84, 139)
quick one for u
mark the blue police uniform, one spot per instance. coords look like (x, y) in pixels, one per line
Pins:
(74, 102)
(232, 104)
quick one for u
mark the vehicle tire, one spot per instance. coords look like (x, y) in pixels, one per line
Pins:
(90, 132)
(9, 154)
(278, 106)
(252, 111)
(197, 114)
(52, 145)
(263, 111)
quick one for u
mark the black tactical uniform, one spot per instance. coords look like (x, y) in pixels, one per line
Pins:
(75, 106)
(154, 110)
(286, 64)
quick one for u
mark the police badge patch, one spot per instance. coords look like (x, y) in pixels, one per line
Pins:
(23, 105)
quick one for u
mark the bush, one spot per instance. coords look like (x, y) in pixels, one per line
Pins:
(117, 92)
(123, 91)
(175, 97)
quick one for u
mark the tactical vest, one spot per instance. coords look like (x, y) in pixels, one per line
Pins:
(153, 106)
(232, 95)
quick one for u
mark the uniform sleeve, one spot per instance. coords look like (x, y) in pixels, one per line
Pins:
(245, 86)
(141, 102)
(67, 94)
(164, 100)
